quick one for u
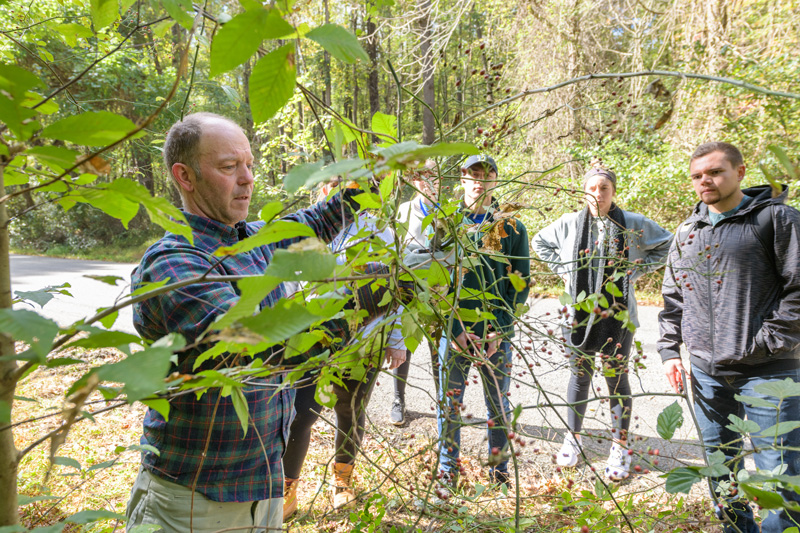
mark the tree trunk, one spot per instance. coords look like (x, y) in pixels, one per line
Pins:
(372, 81)
(428, 93)
(8, 380)
(326, 61)
(486, 68)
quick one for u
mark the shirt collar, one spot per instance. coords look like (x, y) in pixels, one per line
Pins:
(215, 229)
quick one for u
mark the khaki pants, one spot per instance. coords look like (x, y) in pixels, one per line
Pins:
(169, 505)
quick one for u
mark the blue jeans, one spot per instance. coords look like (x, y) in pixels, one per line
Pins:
(713, 402)
(454, 371)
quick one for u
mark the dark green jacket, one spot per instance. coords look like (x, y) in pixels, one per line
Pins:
(492, 275)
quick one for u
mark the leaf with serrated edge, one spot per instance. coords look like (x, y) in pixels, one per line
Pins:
(681, 480)
(780, 389)
(670, 419)
(95, 128)
(339, 42)
(240, 37)
(272, 83)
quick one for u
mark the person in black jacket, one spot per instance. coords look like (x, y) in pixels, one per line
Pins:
(732, 297)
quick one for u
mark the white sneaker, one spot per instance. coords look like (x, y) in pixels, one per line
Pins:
(570, 451)
(618, 466)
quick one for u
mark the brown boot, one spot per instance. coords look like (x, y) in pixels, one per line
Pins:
(343, 495)
(289, 497)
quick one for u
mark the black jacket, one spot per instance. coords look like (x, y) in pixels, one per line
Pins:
(733, 302)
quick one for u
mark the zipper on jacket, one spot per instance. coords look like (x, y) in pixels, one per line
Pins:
(711, 307)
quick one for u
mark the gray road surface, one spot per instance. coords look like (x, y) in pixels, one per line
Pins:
(31, 273)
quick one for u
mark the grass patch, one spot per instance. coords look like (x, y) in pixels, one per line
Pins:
(116, 254)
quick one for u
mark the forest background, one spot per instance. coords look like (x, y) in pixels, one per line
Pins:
(544, 87)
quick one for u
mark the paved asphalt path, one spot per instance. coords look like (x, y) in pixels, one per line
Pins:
(539, 421)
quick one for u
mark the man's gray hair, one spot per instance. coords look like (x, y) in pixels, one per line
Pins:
(732, 154)
(183, 140)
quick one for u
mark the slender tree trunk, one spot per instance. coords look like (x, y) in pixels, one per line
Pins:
(326, 61)
(428, 87)
(8, 380)
(372, 81)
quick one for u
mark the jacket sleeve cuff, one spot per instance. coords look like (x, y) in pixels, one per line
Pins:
(666, 355)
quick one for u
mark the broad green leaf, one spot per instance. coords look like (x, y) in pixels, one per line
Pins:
(780, 389)
(103, 465)
(87, 517)
(272, 82)
(67, 461)
(104, 12)
(670, 419)
(110, 319)
(764, 498)
(270, 211)
(784, 160)
(407, 153)
(108, 280)
(177, 10)
(232, 95)
(17, 81)
(517, 282)
(99, 338)
(565, 299)
(742, 426)
(142, 374)
(384, 124)
(43, 296)
(147, 287)
(271, 233)
(755, 401)
(339, 42)
(781, 428)
(159, 405)
(161, 29)
(33, 329)
(302, 263)
(95, 128)
(312, 173)
(63, 157)
(368, 200)
(16, 117)
(682, 479)
(281, 322)
(241, 408)
(716, 465)
(253, 291)
(239, 38)
(16, 529)
(25, 500)
(613, 290)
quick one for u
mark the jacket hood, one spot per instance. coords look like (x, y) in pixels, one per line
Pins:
(761, 195)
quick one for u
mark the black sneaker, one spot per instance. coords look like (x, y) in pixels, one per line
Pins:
(501, 478)
(398, 414)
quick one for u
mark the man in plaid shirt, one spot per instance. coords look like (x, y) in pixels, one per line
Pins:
(206, 476)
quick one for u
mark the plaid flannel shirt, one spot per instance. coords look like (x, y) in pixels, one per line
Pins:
(232, 468)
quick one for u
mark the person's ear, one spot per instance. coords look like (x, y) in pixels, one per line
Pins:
(184, 176)
(741, 170)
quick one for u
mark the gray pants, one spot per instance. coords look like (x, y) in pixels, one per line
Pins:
(169, 505)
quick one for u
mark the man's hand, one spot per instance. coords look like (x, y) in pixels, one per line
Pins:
(492, 343)
(673, 368)
(463, 340)
(395, 357)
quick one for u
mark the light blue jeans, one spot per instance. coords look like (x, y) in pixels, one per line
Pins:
(169, 505)
(713, 402)
(454, 371)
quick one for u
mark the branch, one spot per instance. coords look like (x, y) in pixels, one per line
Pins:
(588, 77)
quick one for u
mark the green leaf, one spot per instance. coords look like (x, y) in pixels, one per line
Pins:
(17, 81)
(43, 296)
(17, 117)
(409, 152)
(781, 428)
(276, 324)
(272, 83)
(613, 290)
(72, 32)
(310, 174)
(87, 517)
(716, 465)
(339, 42)
(103, 465)
(151, 286)
(63, 157)
(565, 299)
(159, 405)
(682, 479)
(25, 500)
(310, 261)
(177, 10)
(780, 389)
(517, 282)
(238, 39)
(109, 320)
(104, 12)
(384, 124)
(99, 338)
(670, 419)
(253, 291)
(142, 374)
(784, 160)
(15, 529)
(161, 29)
(742, 426)
(764, 498)
(95, 128)
(241, 408)
(755, 401)
(67, 461)
(33, 329)
(108, 280)
(270, 211)
(269, 234)
(368, 200)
